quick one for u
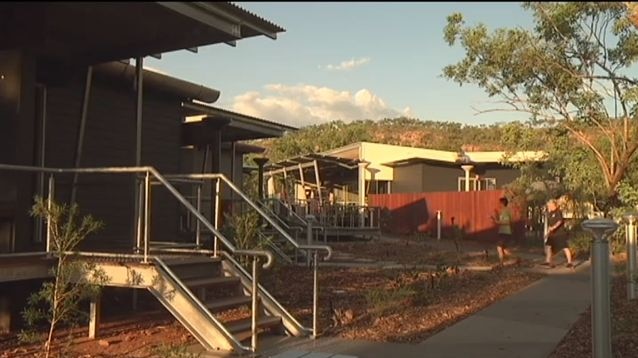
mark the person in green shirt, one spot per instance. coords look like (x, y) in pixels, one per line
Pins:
(503, 220)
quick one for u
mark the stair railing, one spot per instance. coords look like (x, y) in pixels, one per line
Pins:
(143, 216)
(311, 249)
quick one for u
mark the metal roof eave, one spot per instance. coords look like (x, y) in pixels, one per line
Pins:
(239, 120)
(226, 17)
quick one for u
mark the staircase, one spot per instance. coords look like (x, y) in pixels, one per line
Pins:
(291, 223)
(209, 296)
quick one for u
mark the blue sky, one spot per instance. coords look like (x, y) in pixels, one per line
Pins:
(391, 57)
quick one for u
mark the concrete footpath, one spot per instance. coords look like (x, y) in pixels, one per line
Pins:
(528, 324)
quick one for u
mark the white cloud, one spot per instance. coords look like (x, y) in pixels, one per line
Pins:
(302, 105)
(349, 64)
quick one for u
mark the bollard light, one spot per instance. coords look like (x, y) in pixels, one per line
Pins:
(630, 234)
(601, 228)
(438, 224)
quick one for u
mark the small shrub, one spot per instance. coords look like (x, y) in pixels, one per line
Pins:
(381, 299)
(580, 243)
(57, 301)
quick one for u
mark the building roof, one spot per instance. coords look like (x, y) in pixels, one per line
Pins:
(331, 169)
(120, 71)
(409, 155)
(324, 160)
(203, 120)
(71, 34)
(471, 158)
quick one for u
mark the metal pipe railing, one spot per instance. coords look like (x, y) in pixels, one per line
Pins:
(217, 207)
(51, 196)
(151, 173)
(255, 310)
(205, 310)
(307, 247)
(197, 224)
(143, 220)
(147, 213)
(264, 292)
(232, 186)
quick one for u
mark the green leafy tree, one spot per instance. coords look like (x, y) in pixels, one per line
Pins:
(572, 72)
(57, 302)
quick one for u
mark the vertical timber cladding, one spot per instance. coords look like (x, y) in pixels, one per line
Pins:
(17, 126)
(110, 141)
(416, 212)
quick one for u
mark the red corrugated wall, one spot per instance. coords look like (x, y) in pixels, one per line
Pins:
(416, 212)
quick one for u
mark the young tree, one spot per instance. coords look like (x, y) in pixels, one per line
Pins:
(62, 295)
(572, 71)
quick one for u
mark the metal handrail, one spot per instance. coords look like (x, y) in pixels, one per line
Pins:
(309, 247)
(190, 294)
(150, 171)
(265, 292)
(163, 181)
(231, 185)
(292, 212)
(178, 282)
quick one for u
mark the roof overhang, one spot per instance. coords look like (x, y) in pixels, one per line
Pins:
(331, 169)
(86, 33)
(472, 158)
(118, 71)
(207, 119)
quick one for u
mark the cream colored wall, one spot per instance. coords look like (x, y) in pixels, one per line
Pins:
(377, 154)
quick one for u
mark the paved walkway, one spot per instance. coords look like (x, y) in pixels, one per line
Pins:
(528, 324)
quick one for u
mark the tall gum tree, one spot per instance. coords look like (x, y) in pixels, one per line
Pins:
(575, 69)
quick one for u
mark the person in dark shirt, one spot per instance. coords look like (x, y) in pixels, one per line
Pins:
(556, 239)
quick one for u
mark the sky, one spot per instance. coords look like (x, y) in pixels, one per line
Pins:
(347, 61)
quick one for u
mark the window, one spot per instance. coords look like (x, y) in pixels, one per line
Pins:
(477, 184)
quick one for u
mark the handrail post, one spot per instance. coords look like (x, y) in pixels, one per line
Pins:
(315, 295)
(308, 236)
(254, 304)
(630, 232)
(438, 224)
(147, 213)
(49, 207)
(197, 223)
(217, 204)
(138, 213)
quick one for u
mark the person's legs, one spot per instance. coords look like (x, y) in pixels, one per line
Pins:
(501, 253)
(548, 255)
(568, 256)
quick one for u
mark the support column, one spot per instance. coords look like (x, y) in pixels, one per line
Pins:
(302, 179)
(260, 175)
(216, 151)
(213, 132)
(467, 168)
(318, 180)
(94, 316)
(139, 87)
(82, 129)
(232, 177)
(5, 313)
(361, 191)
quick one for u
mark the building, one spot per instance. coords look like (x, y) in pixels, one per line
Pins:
(78, 124)
(352, 172)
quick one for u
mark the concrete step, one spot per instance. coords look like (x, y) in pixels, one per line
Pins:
(242, 328)
(210, 282)
(226, 303)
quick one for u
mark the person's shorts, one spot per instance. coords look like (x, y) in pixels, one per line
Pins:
(505, 240)
(557, 242)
